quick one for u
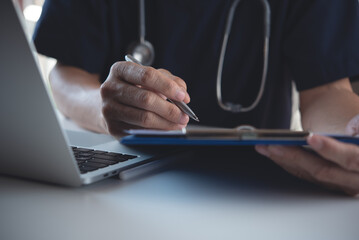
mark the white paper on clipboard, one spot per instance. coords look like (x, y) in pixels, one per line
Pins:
(154, 132)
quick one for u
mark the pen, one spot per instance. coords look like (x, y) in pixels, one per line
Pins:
(181, 105)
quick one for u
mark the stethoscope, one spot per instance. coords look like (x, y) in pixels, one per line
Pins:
(144, 52)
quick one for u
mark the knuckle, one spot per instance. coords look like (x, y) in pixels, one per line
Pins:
(113, 130)
(165, 71)
(181, 82)
(105, 89)
(299, 173)
(274, 157)
(322, 174)
(106, 110)
(122, 91)
(145, 98)
(173, 112)
(352, 162)
(111, 87)
(145, 119)
(296, 154)
(115, 67)
(120, 69)
(171, 85)
(147, 75)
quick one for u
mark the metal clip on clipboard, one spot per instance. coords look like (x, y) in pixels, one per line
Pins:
(245, 133)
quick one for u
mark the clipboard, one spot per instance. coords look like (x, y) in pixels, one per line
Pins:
(241, 136)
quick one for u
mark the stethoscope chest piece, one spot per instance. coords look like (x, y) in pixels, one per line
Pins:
(143, 52)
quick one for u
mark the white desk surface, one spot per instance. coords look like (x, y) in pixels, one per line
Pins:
(179, 203)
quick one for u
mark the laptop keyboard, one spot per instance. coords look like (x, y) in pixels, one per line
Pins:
(90, 160)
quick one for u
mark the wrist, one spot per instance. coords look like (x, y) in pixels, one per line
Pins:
(102, 124)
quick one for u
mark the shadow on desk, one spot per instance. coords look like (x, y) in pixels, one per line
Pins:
(226, 171)
(242, 169)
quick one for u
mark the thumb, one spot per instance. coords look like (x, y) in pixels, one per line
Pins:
(352, 127)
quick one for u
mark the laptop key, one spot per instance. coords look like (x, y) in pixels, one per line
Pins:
(90, 159)
(112, 158)
(104, 161)
(99, 152)
(129, 156)
(84, 150)
(122, 155)
(89, 154)
(112, 154)
(82, 158)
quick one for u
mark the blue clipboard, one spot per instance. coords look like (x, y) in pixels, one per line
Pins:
(224, 137)
(141, 140)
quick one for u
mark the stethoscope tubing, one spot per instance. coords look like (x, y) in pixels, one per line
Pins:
(228, 106)
(142, 22)
(237, 108)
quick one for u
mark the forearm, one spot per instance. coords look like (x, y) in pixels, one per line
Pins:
(329, 108)
(77, 95)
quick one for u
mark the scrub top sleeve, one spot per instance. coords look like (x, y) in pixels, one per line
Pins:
(321, 42)
(74, 33)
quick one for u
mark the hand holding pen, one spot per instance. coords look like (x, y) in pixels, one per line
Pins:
(132, 97)
(181, 105)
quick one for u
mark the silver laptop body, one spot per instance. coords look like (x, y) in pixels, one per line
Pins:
(32, 143)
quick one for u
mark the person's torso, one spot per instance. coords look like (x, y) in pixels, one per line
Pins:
(187, 37)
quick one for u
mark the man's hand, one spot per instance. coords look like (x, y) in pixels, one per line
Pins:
(135, 96)
(333, 164)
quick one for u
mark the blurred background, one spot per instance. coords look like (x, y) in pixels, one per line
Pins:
(32, 11)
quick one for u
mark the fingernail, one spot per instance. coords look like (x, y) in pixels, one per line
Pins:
(184, 119)
(262, 150)
(180, 95)
(276, 150)
(315, 142)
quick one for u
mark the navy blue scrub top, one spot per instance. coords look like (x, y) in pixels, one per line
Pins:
(313, 42)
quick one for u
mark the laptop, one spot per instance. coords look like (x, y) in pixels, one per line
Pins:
(33, 144)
